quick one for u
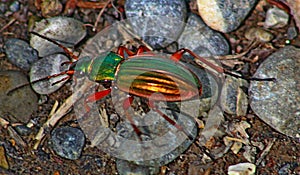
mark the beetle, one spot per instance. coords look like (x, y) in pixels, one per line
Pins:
(142, 74)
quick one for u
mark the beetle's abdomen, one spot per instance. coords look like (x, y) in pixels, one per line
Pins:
(157, 79)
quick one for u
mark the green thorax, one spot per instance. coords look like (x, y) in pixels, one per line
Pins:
(101, 68)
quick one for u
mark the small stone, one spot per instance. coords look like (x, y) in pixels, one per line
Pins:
(277, 103)
(199, 38)
(14, 6)
(288, 168)
(224, 15)
(20, 103)
(47, 66)
(67, 142)
(242, 169)
(233, 99)
(292, 33)
(67, 31)
(258, 34)
(276, 18)
(23, 130)
(3, 161)
(128, 168)
(20, 53)
(159, 23)
(51, 8)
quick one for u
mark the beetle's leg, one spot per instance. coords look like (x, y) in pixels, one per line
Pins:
(280, 4)
(141, 50)
(168, 119)
(178, 55)
(126, 104)
(95, 97)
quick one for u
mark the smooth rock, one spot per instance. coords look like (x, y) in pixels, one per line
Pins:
(276, 18)
(20, 53)
(67, 142)
(259, 34)
(199, 38)
(64, 30)
(224, 15)
(47, 66)
(277, 103)
(20, 103)
(159, 23)
(242, 169)
(233, 99)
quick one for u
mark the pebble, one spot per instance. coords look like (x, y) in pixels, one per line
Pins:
(276, 18)
(19, 104)
(23, 130)
(159, 23)
(3, 160)
(288, 168)
(233, 99)
(292, 33)
(67, 142)
(20, 53)
(66, 30)
(224, 15)
(44, 67)
(14, 6)
(242, 169)
(128, 168)
(199, 38)
(51, 8)
(259, 34)
(277, 103)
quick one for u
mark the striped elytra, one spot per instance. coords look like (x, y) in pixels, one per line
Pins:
(154, 77)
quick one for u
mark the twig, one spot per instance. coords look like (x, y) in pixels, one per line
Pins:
(100, 14)
(237, 56)
(265, 151)
(8, 24)
(64, 108)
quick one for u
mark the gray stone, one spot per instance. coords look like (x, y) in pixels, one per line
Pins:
(67, 142)
(47, 66)
(233, 99)
(201, 39)
(276, 18)
(20, 53)
(277, 103)
(67, 31)
(159, 23)
(224, 15)
(20, 103)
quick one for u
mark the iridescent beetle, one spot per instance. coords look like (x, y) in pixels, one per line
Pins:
(140, 74)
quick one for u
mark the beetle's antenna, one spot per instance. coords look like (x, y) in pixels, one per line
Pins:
(70, 54)
(248, 78)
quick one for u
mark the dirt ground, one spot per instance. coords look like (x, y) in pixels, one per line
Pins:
(284, 151)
